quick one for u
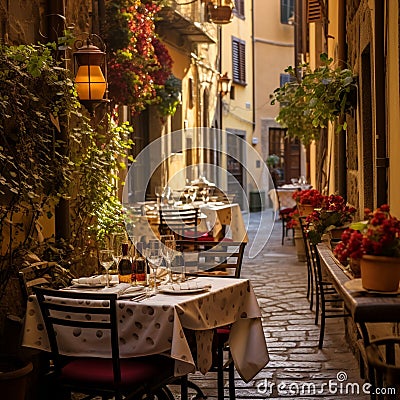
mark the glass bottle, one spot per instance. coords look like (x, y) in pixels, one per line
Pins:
(139, 265)
(125, 266)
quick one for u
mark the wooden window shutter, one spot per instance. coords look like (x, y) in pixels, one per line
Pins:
(314, 11)
(239, 61)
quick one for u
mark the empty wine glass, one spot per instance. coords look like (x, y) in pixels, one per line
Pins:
(168, 252)
(186, 193)
(158, 191)
(193, 194)
(205, 193)
(178, 267)
(106, 260)
(116, 245)
(176, 195)
(154, 258)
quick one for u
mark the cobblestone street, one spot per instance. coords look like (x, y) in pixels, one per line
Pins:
(280, 282)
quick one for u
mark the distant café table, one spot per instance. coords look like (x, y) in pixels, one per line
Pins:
(365, 307)
(160, 325)
(219, 218)
(283, 196)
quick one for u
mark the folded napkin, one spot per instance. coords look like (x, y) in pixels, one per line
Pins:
(189, 286)
(96, 280)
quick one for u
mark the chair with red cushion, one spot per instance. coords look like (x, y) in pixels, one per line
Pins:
(220, 259)
(141, 377)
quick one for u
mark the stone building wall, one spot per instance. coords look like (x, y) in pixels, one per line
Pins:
(27, 21)
(359, 36)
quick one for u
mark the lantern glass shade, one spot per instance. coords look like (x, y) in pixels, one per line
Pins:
(224, 84)
(90, 82)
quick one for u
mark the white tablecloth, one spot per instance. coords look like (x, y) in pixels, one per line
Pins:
(156, 326)
(214, 217)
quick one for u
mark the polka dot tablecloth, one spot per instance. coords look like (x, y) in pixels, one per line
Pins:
(160, 325)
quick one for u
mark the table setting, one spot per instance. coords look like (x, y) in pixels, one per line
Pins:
(154, 323)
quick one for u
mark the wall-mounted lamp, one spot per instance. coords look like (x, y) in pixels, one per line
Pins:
(220, 11)
(90, 72)
(224, 84)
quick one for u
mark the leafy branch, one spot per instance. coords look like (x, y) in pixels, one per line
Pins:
(320, 96)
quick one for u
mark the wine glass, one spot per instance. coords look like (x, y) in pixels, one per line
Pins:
(116, 245)
(178, 267)
(176, 195)
(158, 191)
(186, 193)
(205, 193)
(168, 252)
(154, 258)
(106, 259)
(193, 194)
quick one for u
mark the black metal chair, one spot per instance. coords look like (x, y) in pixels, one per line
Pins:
(182, 223)
(220, 259)
(285, 217)
(383, 357)
(136, 378)
(328, 303)
(310, 274)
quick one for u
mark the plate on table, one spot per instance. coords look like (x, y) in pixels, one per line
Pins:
(355, 285)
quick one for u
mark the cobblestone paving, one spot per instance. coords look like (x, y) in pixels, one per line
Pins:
(296, 364)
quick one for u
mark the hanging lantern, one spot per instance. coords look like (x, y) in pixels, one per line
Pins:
(90, 72)
(224, 84)
(220, 11)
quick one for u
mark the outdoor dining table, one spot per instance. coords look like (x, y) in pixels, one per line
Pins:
(364, 306)
(222, 219)
(283, 195)
(160, 325)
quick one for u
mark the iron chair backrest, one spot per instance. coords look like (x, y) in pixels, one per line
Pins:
(60, 310)
(182, 223)
(211, 256)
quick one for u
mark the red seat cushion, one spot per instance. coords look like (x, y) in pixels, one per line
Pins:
(223, 334)
(199, 235)
(99, 371)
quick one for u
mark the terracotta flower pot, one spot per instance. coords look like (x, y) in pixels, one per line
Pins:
(336, 233)
(380, 273)
(13, 378)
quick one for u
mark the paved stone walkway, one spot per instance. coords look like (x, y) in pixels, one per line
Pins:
(297, 369)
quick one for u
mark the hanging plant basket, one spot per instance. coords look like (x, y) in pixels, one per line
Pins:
(220, 14)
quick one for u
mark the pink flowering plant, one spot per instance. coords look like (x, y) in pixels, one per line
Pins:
(379, 235)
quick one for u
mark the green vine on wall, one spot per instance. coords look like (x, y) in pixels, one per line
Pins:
(320, 96)
(48, 152)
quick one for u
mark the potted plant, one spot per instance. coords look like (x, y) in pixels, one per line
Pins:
(307, 200)
(333, 215)
(311, 99)
(376, 243)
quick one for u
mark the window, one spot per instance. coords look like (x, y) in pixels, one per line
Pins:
(239, 61)
(287, 11)
(239, 8)
(284, 78)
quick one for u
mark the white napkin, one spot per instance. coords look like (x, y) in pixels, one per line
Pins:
(95, 280)
(189, 286)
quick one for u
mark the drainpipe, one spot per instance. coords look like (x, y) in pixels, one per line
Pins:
(341, 142)
(55, 27)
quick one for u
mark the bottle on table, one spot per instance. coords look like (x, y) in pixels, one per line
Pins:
(139, 266)
(125, 266)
